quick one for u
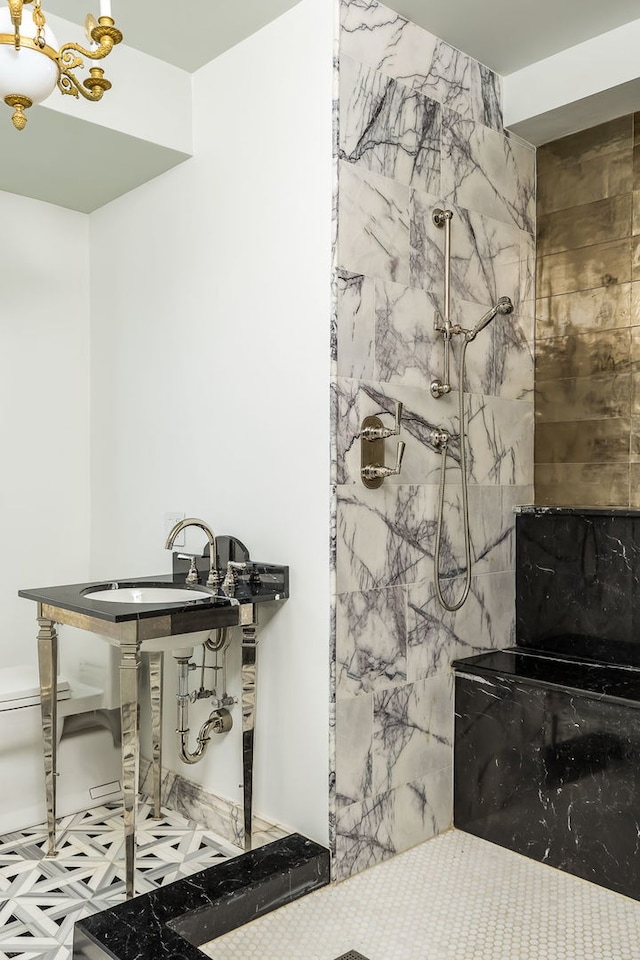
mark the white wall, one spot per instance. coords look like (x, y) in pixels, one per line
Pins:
(44, 404)
(210, 324)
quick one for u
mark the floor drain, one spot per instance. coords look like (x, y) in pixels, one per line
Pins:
(351, 955)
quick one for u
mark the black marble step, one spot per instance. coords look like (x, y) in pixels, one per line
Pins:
(175, 920)
(601, 680)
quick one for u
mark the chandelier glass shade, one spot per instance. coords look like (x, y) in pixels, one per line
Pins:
(32, 65)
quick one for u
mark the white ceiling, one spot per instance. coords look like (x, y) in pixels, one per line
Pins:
(68, 161)
(503, 34)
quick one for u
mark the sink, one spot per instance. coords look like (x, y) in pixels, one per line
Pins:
(153, 594)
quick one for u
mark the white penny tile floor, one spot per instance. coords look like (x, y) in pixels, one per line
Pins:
(453, 898)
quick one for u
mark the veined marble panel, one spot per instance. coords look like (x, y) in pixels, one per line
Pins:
(485, 622)
(412, 731)
(603, 308)
(354, 739)
(373, 231)
(387, 128)
(512, 358)
(375, 35)
(374, 830)
(356, 324)
(383, 536)
(500, 441)
(421, 414)
(486, 172)
(485, 254)
(371, 641)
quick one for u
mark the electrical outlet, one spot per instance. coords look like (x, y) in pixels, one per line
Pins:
(170, 520)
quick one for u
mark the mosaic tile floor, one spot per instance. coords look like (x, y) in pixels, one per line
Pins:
(453, 898)
(41, 899)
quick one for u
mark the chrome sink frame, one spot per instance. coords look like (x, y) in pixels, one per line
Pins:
(151, 636)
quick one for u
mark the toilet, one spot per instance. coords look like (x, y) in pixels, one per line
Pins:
(88, 760)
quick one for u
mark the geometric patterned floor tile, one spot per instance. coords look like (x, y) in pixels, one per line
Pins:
(41, 899)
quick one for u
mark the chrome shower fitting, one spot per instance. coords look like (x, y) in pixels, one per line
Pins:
(503, 306)
(373, 470)
(442, 218)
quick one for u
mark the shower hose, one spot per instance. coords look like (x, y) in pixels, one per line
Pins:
(452, 607)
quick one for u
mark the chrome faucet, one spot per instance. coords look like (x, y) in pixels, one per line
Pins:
(214, 577)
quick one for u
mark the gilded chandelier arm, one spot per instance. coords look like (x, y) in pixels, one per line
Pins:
(106, 35)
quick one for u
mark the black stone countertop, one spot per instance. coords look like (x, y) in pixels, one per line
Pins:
(543, 511)
(175, 920)
(598, 679)
(262, 582)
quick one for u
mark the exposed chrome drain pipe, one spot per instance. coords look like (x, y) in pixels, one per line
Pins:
(220, 720)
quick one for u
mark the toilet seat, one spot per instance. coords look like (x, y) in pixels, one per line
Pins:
(20, 687)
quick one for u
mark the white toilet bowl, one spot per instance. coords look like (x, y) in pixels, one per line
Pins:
(88, 763)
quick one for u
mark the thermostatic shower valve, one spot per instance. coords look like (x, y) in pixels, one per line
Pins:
(373, 470)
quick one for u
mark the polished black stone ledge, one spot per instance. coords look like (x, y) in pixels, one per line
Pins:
(175, 920)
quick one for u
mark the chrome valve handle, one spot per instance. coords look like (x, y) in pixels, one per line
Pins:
(382, 433)
(376, 471)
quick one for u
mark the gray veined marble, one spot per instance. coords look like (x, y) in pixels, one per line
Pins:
(354, 758)
(388, 128)
(356, 324)
(373, 233)
(386, 41)
(371, 831)
(384, 536)
(487, 172)
(371, 641)
(412, 731)
(485, 254)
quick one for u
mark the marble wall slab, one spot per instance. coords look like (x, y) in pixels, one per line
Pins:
(419, 126)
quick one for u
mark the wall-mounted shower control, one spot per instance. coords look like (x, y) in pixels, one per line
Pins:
(373, 470)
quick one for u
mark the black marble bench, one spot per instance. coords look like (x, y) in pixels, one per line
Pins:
(547, 761)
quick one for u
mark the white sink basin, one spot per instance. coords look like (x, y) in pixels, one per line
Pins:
(151, 595)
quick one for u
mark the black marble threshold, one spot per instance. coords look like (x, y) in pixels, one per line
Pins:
(577, 511)
(175, 920)
(544, 669)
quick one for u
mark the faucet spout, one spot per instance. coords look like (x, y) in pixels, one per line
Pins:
(214, 577)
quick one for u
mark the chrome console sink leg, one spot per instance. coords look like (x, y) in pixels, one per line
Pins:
(155, 688)
(48, 670)
(129, 667)
(249, 672)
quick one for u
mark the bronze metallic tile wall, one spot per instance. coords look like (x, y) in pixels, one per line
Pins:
(587, 393)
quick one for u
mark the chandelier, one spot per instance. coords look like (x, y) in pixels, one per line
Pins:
(31, 65)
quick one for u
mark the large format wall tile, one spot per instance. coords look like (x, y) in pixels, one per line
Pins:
(583, 355)
(397, 162)
(387, 128)
(371, 641)
(412, 731)
(585, 398)
(374, 830)
(577, 484)
(601, 265)
(586, 441)
(373, 230)
(487, 172)
(582, 226)
(375, 35)
(601, 308)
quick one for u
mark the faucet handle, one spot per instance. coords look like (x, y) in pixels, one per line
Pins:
(379, 472)
(381, 433)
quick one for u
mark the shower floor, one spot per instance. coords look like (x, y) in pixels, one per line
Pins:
(454, 898)
(41, 899)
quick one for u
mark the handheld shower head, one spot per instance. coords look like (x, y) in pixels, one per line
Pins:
(503, 306)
